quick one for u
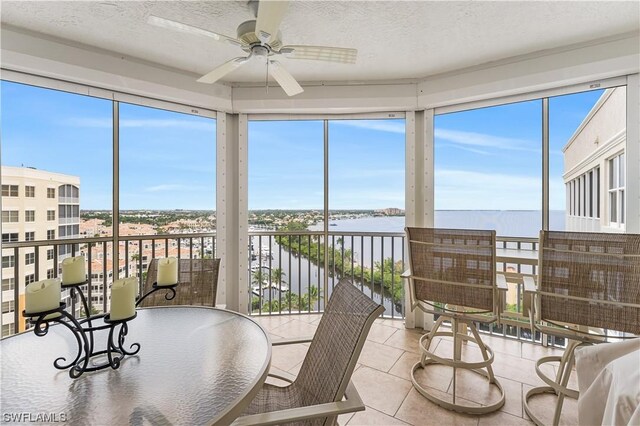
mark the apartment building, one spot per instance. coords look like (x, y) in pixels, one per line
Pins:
(594, 164)
(37, 205)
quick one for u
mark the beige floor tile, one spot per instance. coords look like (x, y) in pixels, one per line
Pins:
(294, 329)
(500, 418)
(286, 357)
(470, 351)
(502, 345)
(534, 351)
(417, 410)
(476, 388)
(381, 391)
(404, 339)
(378, 356)
(271, 322)
(373, 417)
(435, 376)
(402, 367)
(310, 318)
(543, 407)
(519, 369)
(343, 419)
(380, 333)
(395, 323)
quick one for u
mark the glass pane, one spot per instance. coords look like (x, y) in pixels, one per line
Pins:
(613, 203)
(366, 194)
(286, 192)
(167, 186)
(621, 174)
(488, 169)
(584, 128)
(52, 140)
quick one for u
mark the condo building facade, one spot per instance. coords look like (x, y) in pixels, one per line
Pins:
(37, 205)
(594, 167)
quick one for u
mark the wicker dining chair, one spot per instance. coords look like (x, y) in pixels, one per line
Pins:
(322, 389)
(452, 274)
(198, 283)
(587, 283)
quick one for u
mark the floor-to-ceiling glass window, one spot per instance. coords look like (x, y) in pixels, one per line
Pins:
(297, 239)
(366, 206)
(56, 181)
(167, 185)
(488, 175)
(286, 194)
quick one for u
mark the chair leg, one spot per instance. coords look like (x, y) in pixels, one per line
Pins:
(559, 386)
(460, 337)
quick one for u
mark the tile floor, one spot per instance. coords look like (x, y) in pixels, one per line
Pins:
(382, 376)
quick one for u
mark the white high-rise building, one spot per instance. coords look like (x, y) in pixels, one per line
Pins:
(37, 205)
(594, 164)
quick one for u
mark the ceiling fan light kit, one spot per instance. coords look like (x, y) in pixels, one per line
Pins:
(262, 38)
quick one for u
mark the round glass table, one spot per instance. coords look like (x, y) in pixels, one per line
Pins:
(196, 365)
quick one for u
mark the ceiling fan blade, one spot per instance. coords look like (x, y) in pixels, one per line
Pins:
(270, 14)
(223, 70)
(284, 79)
(321, 53)
(189, 29)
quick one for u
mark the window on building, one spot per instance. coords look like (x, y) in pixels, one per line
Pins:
(30, 236)
(50, 273)
(28, 279)
(30, 216)
(8, 306)
(29, 191)
(10, 216)
(8, 284)
(51, 215)
(7, 330)
(8, 261)
(9, 190)
(616, 189)
(11, 237)
(29, 258)
(49, 254)
(51, 193)
(51, 234)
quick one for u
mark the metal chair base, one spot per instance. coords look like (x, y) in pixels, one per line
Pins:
(482, 368)
(558, 386)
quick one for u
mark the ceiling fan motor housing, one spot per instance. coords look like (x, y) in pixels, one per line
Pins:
(247, 34)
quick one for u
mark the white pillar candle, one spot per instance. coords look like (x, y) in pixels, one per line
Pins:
(123, 298)
(73, 270)
(167, 271)
(42, 296)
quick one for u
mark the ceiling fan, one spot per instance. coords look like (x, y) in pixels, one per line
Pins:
(261, 38)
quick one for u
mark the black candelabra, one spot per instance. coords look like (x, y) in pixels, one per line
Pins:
(83, 330)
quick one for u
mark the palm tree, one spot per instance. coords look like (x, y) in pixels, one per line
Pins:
(277, 275)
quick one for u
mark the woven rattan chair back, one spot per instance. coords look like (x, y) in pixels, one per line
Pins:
(599, 272)
(198, 283)
(336, 346)
(453, 266)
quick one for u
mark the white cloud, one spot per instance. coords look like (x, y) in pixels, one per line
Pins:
(141, 123)
(380, 125)
(171, 187)
(483, 140)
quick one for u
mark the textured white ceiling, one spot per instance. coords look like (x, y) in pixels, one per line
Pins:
(395, 39)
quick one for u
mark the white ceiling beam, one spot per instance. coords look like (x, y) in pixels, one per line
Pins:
(540, 71)
(45, 56)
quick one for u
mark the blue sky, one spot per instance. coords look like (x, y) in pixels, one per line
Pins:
(485, 159)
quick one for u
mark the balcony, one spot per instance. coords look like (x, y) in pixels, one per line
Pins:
(290, 300)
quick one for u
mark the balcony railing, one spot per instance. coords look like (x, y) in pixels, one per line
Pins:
(295, 272)
(290, 272)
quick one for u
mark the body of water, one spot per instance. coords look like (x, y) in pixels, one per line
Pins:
(507, 223)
